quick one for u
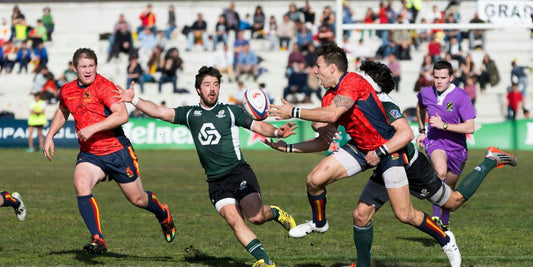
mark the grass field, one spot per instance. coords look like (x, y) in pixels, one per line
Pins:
(493, 229)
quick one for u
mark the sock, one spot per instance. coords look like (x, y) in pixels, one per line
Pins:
(473, 180)
(256, 249)
(91, 214)
(429, 227)
(154, 206)
(318, 207)
(445, 217)
(436, 211)
(275, 214)
(9, 201)
(363, 237)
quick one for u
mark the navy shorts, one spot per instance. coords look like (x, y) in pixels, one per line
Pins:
(121, 166)
(233, 187)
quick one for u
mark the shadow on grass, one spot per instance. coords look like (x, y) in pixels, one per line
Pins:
(426, 242)
(92, 259)
(194, 255)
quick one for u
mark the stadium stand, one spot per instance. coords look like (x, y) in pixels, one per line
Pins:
(99, 17)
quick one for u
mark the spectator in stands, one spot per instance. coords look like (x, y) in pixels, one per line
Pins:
(48, 22)
(304, 37)
(325, 35)
(425, 76)
(122, 41)
(171, 22)
(369, 18)
(454, 49)
(36, 120)
(387, 47)
(161, 40)
(248, 62)
(286, 32)
(434, 14)
(23, 57)
(422, 35)
(50, 92)
(222, 60)
(221, 32)
(295, 58)
(17, 14)
(232, 18)
(238, 47)
(449, 33)
(272, 33)
(468, 68)
(392, 16)
(347, 14)
(135, 73)
(148, 44)
(258, 24)
(9, 56)
(402, 38)
(198, 33)
(414, 7)
(361, 52)
(38, 34)
(327, 18)
(489, 73)
(476, 37)
(39, 80)
(237, 98)
(20, 29)
(246, 23)
(471, 88)
(40, 56)
(519, 76)
(5, 32)
(68, 75)
(310, 57)
(515, 101)
(309, 15)
(148, 20)
(169, 69)
(294, 14)
(434, 48)
(298, 84)
(396, 69)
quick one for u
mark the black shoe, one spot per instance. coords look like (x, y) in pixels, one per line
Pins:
(97, 246)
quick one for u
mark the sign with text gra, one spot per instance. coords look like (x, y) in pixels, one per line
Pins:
(506, 11)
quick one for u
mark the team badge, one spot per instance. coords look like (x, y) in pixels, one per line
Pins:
(395, 113)
(86, 96)
(221, 114)
(449, 106)
(129, 172)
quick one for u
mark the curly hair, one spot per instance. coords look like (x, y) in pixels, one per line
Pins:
(380, 73)
(204, 71)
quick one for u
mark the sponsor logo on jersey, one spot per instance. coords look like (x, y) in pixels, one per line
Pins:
(221, 114)
(197, 113)
(395, 113)
(449, 106)
(243, 185)
(424, 192)
(208, 134)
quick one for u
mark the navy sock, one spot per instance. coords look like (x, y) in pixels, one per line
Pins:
(318, 206)
(429, 227)
(90, 213)
(154, 206)
(9, 201)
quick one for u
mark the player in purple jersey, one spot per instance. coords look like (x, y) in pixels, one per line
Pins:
(451, 117)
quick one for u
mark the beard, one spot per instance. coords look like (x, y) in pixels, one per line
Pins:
(207, 102)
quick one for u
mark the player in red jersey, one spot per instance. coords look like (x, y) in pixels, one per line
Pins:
(104, 149)
(351, 101)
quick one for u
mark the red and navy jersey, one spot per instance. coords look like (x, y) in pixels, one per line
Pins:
(366, 122)
(89, 105)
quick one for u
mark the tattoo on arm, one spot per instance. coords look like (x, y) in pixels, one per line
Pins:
(343, 101)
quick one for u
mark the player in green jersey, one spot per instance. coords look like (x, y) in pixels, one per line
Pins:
(233, 186)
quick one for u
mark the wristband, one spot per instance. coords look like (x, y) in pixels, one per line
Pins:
(289, 148)
(445, 126)
(276, 133)
(295, 112)
(135, 100)
(382, 151)
(422, 130)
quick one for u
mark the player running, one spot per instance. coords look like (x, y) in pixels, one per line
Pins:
(104, 149)
(233, 187)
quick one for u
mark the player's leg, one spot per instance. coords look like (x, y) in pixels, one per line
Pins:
(456, 161)
(86, 176)
(439, 159)
(257, 213)
(15, 201)
(127, 177)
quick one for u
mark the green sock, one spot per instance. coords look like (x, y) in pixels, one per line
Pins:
(256, 249)
(473, 180)
(363, 237)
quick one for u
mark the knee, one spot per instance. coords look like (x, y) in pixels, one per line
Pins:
(139, 201)
(313, 182)
(360, 217)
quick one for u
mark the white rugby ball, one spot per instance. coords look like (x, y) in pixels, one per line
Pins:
(256, 103)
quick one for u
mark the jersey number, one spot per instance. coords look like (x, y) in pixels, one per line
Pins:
(208, 134)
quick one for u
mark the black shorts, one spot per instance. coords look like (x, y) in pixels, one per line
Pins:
(423, 183)
(233, 187)
(121, 166)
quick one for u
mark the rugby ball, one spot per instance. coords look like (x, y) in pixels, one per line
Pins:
(256, 103)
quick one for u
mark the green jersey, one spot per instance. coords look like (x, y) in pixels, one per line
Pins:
(215, 132)
(393, 113)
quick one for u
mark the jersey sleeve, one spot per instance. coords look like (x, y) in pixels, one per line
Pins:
(393, 111)
(467, 110)
(180, 116)
(241, 117)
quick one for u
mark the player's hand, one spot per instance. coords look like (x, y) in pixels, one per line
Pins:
(372, 158)
(282, 112)
(48, 149)
(125, 95)
(278, 145)
(287, 129)
(85, 133)
(436, 121)
(420, 140)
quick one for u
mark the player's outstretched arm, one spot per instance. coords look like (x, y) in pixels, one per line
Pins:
(147, 107)
(268, 130)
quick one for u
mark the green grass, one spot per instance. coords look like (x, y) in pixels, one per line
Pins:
(493, 229)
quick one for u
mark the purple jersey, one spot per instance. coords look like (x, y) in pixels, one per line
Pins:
(454, 107)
